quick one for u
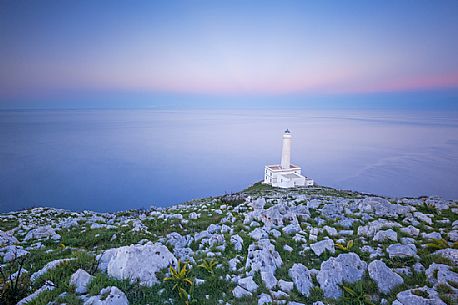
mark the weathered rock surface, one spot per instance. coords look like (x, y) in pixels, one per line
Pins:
(137, 262)
(347, 268)
(324, 245)
(419, 296)
(48, 286)
(383, 276)
(80, 279)
(302, 278)
(398, 250)
(108, 296)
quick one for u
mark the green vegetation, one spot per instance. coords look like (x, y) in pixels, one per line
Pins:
(209, 281)
(182, 283)
(345, 248)
(209, 265)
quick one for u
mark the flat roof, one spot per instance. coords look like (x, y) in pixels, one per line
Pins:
(277, 167)
(291, 176)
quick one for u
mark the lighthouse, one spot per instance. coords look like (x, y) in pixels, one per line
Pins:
(286, 150)
(285, 174)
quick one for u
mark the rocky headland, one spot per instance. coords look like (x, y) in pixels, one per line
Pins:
(264, 245)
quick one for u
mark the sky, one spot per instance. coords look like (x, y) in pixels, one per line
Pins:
(72, 54)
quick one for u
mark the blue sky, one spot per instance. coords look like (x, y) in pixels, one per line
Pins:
(57, 54)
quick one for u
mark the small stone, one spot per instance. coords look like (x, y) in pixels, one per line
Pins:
(264, 299)
(80, 279)
(321, 246)
(385, 235)
(240, 292)
(248, 284)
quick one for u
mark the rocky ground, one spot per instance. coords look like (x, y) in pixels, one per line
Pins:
(261, 246)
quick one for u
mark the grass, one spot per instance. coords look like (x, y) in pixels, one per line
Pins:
(7, 224)
(83, 244)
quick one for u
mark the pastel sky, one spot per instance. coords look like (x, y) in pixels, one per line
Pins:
(94, 51)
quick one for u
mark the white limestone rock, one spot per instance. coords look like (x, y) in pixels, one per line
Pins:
(108, 296)
(7, 239)
(248, 284)
(301, 278)
(370, 229)
(262, 256)
(398, 250)
(269, 279)
(423, 217)
(347, 268)
(240, 292)
(451, 254)
(48, 286)
(177, 240)
(12, 252)
(382, 207)
(407, 297)
(288, 248)
(386, 235)
(49, 266)
(331, 231)
(45, 232)
(258, 234)
(410, 230)
(291, 229)
(193, 215)
(383, 276)
(137, 262)
(264, 299)
(285, 285)
(321, 246)
(80, 279)
(441, 274)
(233, 264)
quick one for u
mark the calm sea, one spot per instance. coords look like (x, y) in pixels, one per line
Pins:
(108, 160)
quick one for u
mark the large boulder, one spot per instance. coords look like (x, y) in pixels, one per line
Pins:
(345, 268)
(137, 262)
(383, 276)
(302, 278)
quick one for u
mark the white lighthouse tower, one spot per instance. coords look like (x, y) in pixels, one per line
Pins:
(285, 174)
(286, 150)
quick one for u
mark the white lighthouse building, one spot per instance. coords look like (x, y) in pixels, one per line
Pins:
(286, 174)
